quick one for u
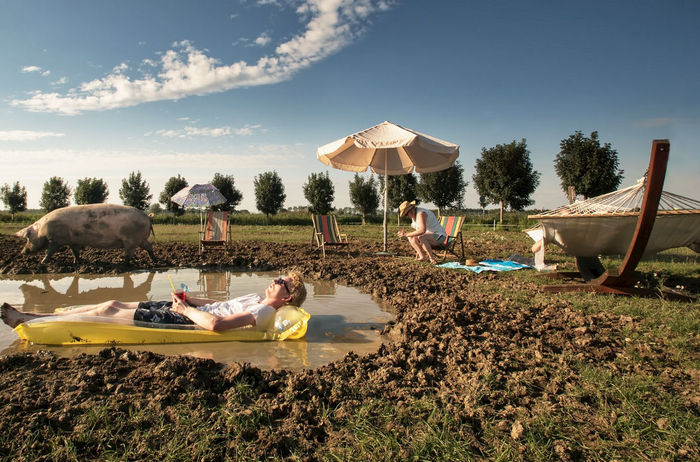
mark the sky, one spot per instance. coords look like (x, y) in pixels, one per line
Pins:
(241, 87)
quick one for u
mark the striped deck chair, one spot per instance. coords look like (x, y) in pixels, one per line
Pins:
(216, 233)
(453, 227)
(326, 232)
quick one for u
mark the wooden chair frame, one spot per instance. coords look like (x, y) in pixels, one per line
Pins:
(206, 242)
(327, 233)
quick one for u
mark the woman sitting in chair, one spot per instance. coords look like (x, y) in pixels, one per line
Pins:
(428, 232)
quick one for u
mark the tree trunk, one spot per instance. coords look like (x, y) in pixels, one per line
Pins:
(501, 204)
(363, 219)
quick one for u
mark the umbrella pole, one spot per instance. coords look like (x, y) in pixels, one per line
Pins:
(386, 197)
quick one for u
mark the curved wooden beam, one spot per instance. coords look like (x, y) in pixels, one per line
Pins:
(621, 281)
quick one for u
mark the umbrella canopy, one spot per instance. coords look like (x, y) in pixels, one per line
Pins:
(198, 196)
(389, 149)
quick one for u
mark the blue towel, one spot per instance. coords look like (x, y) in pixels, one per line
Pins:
(487, 265)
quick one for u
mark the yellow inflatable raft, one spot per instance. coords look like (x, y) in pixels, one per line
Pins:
(290, 323)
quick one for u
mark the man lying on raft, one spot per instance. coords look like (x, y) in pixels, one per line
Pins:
(247, 310)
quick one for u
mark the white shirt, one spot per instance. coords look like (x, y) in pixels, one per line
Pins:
(432, 225)
(264, 314)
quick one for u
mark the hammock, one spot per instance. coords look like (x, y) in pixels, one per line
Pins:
(605, 225)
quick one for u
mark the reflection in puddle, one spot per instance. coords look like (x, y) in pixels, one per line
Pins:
(343, 319)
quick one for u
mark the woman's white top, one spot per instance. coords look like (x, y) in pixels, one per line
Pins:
(252, 303)
(432, 225)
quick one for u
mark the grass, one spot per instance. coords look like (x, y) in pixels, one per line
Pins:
(623, 414)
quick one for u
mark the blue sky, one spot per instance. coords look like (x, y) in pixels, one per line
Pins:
(240, 87)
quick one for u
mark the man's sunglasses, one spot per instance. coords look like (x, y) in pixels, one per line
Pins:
(281, 282)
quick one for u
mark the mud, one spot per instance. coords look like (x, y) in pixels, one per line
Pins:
(489, 360)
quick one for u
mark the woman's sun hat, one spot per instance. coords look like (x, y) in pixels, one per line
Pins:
(406, 207)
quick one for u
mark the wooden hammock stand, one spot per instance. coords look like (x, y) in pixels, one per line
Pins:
(621, 281)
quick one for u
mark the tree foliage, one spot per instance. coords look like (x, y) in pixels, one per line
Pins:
(90, 191)
(14, 197)
(225, 185)
(364, 195)
(586, 165)
(504, 175)
(320, 192)
(172, 186)
(401, 188)
(56, 194)
(444, 188)
(135, 192)
(269, 193)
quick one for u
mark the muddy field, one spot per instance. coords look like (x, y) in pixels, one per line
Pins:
(495, 364)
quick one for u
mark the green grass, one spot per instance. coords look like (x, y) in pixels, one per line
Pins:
(624, 414)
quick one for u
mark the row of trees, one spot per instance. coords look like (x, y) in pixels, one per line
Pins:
(504, 176)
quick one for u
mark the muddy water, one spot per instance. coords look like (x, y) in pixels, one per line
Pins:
(343, 319)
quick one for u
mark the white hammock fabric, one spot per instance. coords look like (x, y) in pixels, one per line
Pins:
(605, 225)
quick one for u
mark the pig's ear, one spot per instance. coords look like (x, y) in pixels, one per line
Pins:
(25, 232)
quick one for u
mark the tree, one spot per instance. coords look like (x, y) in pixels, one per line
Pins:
(90, 191)
(483, 203)
(155, 208)
(224, 183)
(56, 194)
(319, 191)
(172, 186)
(444, 188)
(269, 193)
(401, 188)
(135, 191)
(504, 176)
(586, 165)
(15, 198)
(364, 195)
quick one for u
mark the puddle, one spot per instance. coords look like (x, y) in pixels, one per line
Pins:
(342, 318)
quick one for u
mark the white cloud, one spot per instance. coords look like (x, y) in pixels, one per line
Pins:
(185, 70)
(156, 167)
(248, 130)
(61, 81)
(45, 73)
(189, 132)
(27, 69)
(263, 39)
(25, 135)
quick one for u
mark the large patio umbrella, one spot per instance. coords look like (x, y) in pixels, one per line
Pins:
(199, 196)
(389, 149)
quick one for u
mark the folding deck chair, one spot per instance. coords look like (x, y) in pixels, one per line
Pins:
(326, 232)
(216, 234)
(453, 227)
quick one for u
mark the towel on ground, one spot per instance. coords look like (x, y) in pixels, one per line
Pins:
(487, 265)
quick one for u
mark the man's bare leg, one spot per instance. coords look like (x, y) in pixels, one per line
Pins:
(13, 317)
(101, 306)
(113, 308)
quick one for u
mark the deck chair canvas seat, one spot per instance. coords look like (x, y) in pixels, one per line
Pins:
(453, 228)
(326, 233)
(216, 234)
